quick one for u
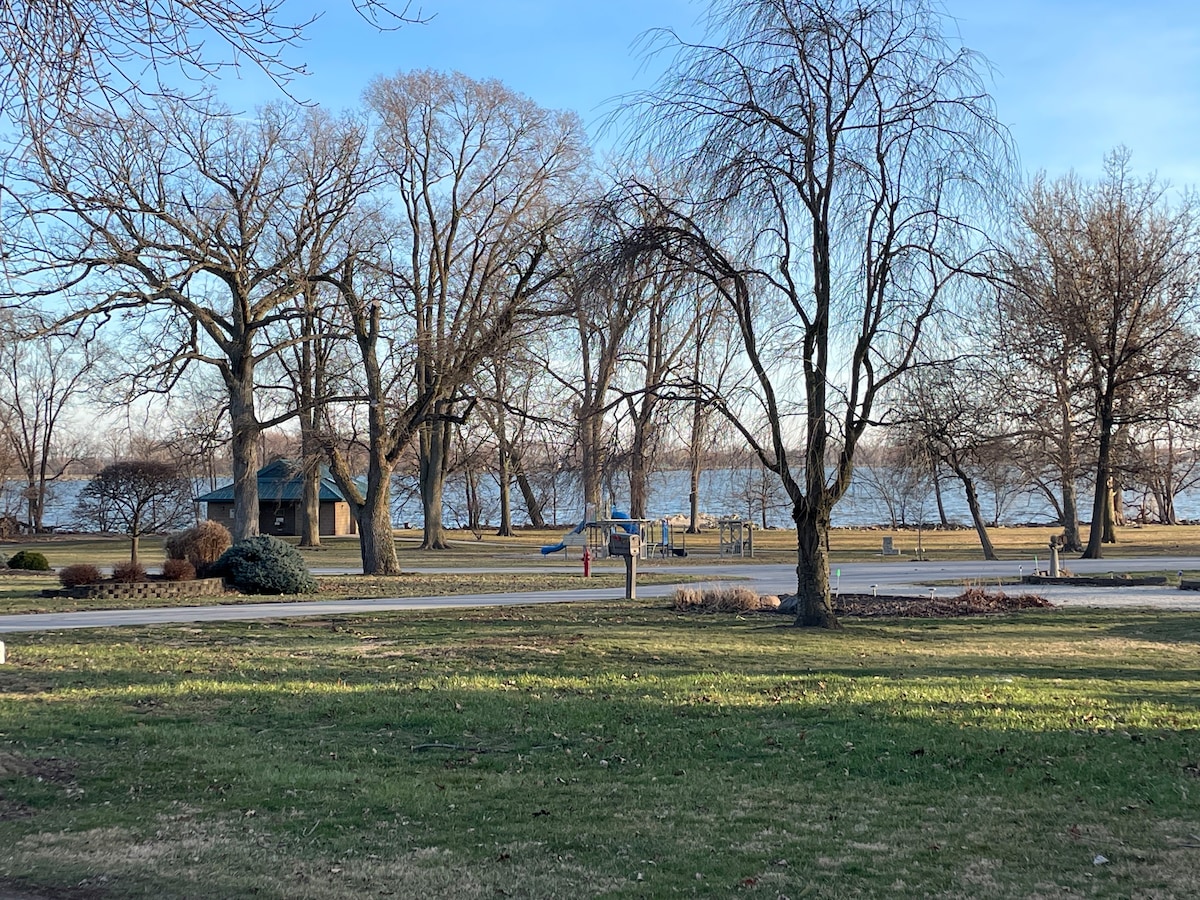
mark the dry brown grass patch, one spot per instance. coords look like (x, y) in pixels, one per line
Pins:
(723, 599)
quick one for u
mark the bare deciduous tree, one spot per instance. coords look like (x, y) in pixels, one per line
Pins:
(482, 177)
(58, 57)
(845, 144)
(191, 228)
(950, 410)
(41, 379)
(136, 497)
(1112, 271)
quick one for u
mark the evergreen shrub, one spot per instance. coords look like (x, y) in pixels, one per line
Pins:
(29, 561)
(265, 565)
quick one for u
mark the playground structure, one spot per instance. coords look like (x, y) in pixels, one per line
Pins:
(657, 537)
(735, 537)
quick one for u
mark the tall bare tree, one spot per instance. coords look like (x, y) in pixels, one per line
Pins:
(482, 178)
(844, 145)
(949, 411)
(1112, 271)
(191, 227)
(42, 378)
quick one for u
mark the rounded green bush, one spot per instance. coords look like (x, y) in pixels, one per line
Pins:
(265, 565)
(29, 560)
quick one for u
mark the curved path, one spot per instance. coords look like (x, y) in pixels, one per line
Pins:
(893, 577)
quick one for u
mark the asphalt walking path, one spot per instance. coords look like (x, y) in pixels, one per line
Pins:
(903, 577)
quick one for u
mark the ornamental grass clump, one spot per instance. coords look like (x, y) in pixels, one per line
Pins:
(201, 546)
(720, 600)
(265, 565)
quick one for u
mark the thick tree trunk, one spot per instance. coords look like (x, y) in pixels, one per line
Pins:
(134, 541)
(637, 478)
(504, 484)
(639, 459)
(1113, 511)
(592, 460)
(310, 503)
(1072, 542)
(376, 539)
(433, 481)
(1102, 498)
(814, 606)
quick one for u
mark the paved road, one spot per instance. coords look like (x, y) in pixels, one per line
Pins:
(896, 577)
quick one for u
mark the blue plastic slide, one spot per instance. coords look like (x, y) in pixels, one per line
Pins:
(562, 545)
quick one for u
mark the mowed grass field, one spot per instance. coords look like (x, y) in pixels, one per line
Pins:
(605, 750)
(602, 750)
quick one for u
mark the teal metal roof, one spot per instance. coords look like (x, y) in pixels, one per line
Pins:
(279, 482)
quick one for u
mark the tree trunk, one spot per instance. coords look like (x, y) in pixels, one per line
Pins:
(814, 606)
(937, 493)
(433, 481)
(1112, 511)
(377, 542)
(310, 503)
(134, 540)
(310, 452)
(592, 460)
(695, 468)
(694, 503)
(474, 502)
(1102, 497)
(637, 474)
(1072, 542)
(503, 483)
(532, 504)
(244, 453)
(968, 483)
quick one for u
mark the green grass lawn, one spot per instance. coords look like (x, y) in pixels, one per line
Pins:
(607, 750)
(23, 593)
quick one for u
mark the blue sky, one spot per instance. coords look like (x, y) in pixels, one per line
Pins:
(1073, 79)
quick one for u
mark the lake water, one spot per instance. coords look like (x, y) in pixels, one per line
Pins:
(726, 492)
(723, 492)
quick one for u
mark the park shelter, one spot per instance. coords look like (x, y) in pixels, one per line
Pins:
(280, 493)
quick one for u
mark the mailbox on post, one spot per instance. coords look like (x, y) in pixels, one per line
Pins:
(622, 544)
(626, 546)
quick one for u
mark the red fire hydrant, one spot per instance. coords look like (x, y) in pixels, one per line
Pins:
(587, 562)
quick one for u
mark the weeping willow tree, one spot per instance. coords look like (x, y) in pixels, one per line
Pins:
(844, 150)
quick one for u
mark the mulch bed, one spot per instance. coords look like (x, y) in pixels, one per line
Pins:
(969, 603)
